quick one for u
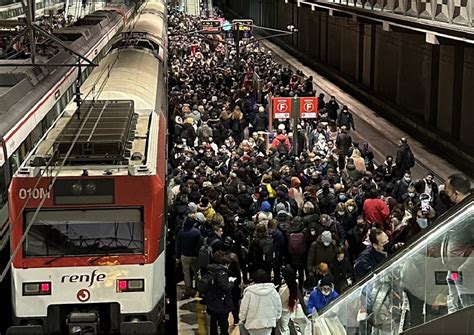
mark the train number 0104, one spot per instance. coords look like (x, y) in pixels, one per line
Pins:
(34, 193)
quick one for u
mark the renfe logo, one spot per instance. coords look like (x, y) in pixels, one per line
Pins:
(85, 278)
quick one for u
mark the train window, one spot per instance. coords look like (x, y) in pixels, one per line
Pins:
(75, 232)
(14, 162)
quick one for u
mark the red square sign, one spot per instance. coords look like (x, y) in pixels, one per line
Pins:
(281, 108)
(309, 108)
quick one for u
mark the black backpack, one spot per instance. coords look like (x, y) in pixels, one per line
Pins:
(206, 253)
(268, 252)
(410, 159)
(206, 282)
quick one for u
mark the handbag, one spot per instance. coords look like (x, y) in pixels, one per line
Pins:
(243, 330)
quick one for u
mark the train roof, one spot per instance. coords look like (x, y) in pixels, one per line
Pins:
(23, 87)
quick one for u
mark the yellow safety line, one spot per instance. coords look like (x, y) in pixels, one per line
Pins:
(201, 317)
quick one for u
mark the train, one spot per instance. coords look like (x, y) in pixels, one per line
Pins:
(87, 206)
(31, 98)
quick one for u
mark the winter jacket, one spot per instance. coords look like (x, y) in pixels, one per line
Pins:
(188, 240)
(204, 132)
(345, 119)
(260, 306)
(318, 253)
(402, 160)
(189, 134)
(343, 143)
(318, 300)
(368, 261)
(260, 121)
(375, 211)
(355, 238)
(219, 297)
(342, 270)
(281, 138)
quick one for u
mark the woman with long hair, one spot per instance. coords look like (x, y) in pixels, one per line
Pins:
(290, 301)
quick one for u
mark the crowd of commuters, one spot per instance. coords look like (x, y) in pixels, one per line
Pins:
(269, 232)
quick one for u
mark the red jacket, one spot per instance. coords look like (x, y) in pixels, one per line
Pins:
(281, 138)
(375, 211)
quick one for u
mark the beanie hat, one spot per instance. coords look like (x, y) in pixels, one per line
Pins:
(265, 206)
(326, 238)
(325, 281)
(280, 208)
(192, 207)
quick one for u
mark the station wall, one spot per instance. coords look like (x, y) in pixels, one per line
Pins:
(427, 89)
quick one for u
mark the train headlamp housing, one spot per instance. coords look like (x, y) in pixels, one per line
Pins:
(37, 288)
(130, 285)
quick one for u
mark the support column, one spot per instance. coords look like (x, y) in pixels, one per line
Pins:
(431, 96)
(457, 91)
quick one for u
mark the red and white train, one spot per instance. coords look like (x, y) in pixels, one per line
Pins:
(32, 98)
(89, 202)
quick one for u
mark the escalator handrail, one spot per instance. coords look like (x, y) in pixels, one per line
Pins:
(416, 240)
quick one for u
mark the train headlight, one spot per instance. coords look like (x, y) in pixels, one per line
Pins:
(91, 187)
(76, 188)
(41, 288)
(130, 285)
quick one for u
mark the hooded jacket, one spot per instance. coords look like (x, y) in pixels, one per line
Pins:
(219, 298)
(281, 138)
(318, 300)
(318, 253)
(260, 307)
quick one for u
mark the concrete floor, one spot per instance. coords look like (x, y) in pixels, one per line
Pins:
(192, 316)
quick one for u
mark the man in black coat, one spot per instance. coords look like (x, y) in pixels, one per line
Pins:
(332, 107)
(345, 119)
(356, 237)
(374, 255)
(404, 160)
(343, 143)
(187, 246)
(219, 295)
(260, 121)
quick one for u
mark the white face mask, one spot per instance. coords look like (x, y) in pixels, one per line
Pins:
(326, 293)
(350, 208)
(340, 213)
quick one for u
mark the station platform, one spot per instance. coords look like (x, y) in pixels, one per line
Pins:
(370, 127)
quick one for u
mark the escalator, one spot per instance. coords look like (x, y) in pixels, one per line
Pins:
(429, 282)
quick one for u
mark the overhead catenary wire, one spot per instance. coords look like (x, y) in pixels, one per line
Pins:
(58, 170)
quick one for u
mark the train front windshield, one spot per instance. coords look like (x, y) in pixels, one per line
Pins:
(76, 232)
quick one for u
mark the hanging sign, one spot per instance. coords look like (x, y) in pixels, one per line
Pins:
(281, 108)
(308, 108)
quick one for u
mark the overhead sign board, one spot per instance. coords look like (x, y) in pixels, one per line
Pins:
(244, 25)
(308, 108)
(281, 108)
(211, 26)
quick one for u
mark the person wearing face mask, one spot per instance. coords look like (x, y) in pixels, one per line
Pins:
(356, 238)
(428, 185)
(343, 272)
(401, 187)
(350, 217)
(322, 251)
(375, 210)
(345, 119)
(332, 107)
(405, 159)
(374, 255)
(321, 296)
(412, 194)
